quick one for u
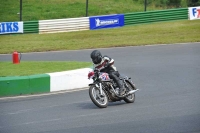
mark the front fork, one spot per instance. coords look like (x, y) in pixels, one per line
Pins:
(100, 88)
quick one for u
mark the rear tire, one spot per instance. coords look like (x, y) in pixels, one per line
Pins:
(130, 98)
(101, 102)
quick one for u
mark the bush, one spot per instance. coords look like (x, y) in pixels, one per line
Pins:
(171, 3)
(193, 3)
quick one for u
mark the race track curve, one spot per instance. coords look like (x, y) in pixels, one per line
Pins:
(168, 77)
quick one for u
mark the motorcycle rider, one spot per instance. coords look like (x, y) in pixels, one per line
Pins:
(105, 64)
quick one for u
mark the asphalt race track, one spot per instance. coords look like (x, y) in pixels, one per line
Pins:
(168, 77)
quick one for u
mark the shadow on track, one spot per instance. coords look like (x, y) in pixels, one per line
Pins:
(90, 105)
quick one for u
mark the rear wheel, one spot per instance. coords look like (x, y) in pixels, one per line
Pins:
(97, 99)
(130, 98)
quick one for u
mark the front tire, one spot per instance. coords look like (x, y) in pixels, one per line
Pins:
(130, 98)
(99, 101)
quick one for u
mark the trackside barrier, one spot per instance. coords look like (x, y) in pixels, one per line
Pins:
(98, 22)
(156, 16)
(63, 25)
(31, 26)
(68, 80)
(44, 83)
(19, 85)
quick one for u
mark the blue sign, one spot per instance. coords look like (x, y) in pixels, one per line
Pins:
(11, 27)
(111, 21)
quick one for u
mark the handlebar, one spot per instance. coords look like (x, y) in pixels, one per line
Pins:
(97, 72)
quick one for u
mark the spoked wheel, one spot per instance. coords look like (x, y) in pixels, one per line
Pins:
(97, 99)
(130, 98)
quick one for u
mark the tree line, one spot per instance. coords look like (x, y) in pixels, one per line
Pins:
(171, 3)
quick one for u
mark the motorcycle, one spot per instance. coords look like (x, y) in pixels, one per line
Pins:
(104, 90)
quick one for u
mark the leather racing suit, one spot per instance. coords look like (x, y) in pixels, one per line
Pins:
(106, 65)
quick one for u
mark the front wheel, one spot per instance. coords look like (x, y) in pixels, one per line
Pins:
(97, 99)
(130, 98)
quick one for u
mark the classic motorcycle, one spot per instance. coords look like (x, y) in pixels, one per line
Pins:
(104, 90)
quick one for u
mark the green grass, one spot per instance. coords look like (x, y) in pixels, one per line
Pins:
(55, 9)
(37, 67)
(154, 33)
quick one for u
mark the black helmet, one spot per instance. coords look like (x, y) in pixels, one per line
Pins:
(96, 56)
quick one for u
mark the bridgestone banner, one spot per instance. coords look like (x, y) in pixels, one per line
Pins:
(11, 27)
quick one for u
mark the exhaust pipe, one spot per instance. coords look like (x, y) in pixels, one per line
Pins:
(133, 91)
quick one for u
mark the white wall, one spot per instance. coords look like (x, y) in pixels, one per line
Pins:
(68, 80)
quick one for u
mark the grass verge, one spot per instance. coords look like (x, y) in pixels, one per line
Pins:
(37, 67)
(154, 33)
(56, 9)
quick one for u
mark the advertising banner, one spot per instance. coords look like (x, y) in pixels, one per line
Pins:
(11, 27)
(194, 12)
(110, 21)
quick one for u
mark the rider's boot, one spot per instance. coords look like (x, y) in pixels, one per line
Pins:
(121, 87)
(121, 90)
